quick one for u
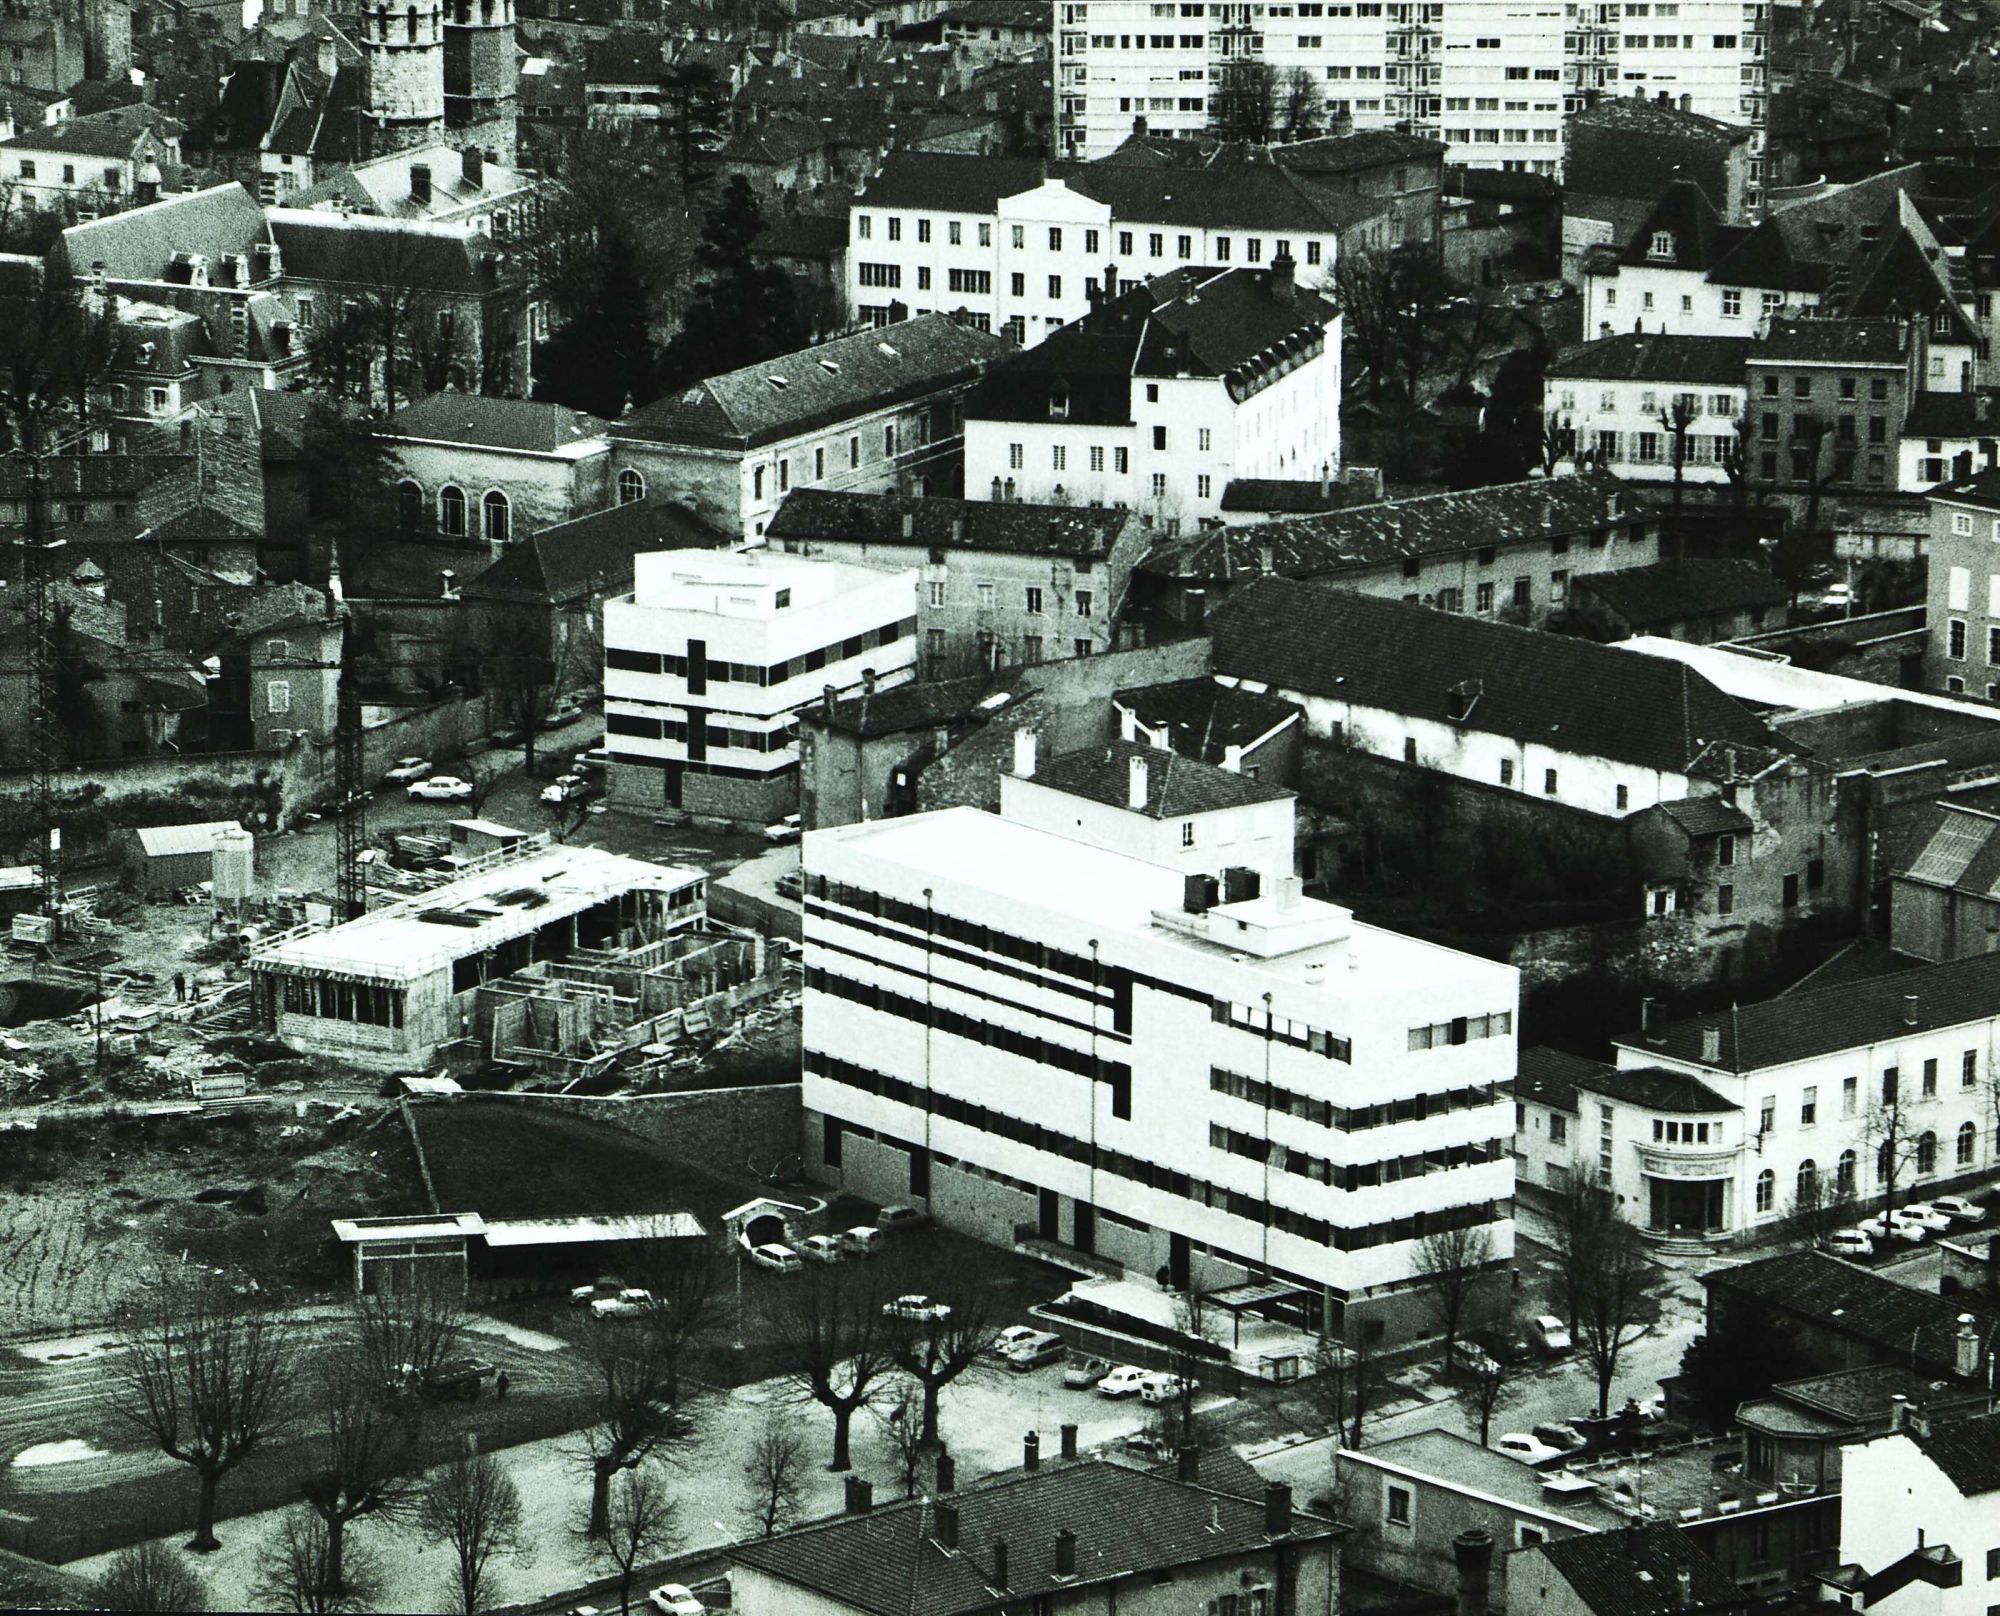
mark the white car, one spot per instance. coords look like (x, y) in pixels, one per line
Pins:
(1959, 1209)
(917, 1308)
(823, 1248)
(1926, 1214)
(1883, 1230)
(628, 1303)
(1124, 1381)
(1164, 1388)
(1550, 1334)
(1011, 1337)
(1528, 1449)
(675, 1599)
(779, 1259)
(1850, 1243)
(441, 788)
(565, 788)
(408, 769)
(783, 830)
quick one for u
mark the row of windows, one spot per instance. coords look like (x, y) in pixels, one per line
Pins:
(749, 673)
(922, 427)
(368, 1002)
(714, 734)
(1354, 1175)
(969, 934)
(1280, 1029)
(1462, 1029)
(1151, 1174)
(496, 513)
(877, 274)
(1352, 1119)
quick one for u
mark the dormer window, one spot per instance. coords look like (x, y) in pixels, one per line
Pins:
(1663, 244)
(1059, 405)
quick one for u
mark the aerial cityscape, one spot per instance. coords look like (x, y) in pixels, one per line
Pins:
(1000, 807)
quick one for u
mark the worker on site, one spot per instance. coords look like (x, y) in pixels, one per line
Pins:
(500, 1386)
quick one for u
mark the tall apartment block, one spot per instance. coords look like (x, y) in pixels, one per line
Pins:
(1494, 79)
(1104, 1024)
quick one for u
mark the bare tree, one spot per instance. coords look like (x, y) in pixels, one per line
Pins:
(1243, 101)
(1188, 1364)
(1603, 1270)
(1812, 436)
(1304, 105)
(403, 1332)
(774, 1477)
(150, 1576)
(640, 1526)
(1393, 304)
(1557, 443)
(361, 1449)
(1484, 1394)
(473, 1508)
(936, 1351)
(300, 1570)
(1820, 1205)
(835, 1343)
(1451, 1266)
(1331, 1387)
(903, 1435)
(1677, 418)
(204, 1377)
(1895, 1137)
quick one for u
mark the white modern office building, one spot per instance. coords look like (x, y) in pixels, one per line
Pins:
(713, 652)
(1172, 1065)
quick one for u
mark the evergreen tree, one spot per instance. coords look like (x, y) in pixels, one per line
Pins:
(604, 355)
(743, 311)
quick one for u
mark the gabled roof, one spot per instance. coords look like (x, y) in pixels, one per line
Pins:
(1638, 1571)
(1696, 235)
(1656, 356)
(921, 704)
(350, 250)
(1206, 719)
(1283, 496)
(1963, 852)
(1764, 258)
(1789, 341)
(1967, 1451)
(1348, 154)
(1954, 415)
(1567, 694)
(1676, 591)
(478, 422)
(140, 243)
(1552, 1076)
(1127, 1522)
(99, 134)
(1706, 816)
(825, 516)
(1651, 1088)
(1176, 786)
(591, 554)
(815, 387)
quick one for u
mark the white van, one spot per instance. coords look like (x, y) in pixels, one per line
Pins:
(863, 1241)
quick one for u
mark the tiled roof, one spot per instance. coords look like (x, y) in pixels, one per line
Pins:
(1652, 1089)
(1654, 356)
(383, 186)
(140, 243)
(1897, 1320)
(1858, 1394)
(1968, 1451)
(1204, 718)
(1832, 342)
(350, 249)
(919, 704)
(1288, 496)
(1640, 116)
(100, 134)
(1127, 1522)
(1637, 1572)
(1981, 488)
(1675, 591)
(1695, 230)
(624, 59)
(815, 387)
(1765, 258)
(1366, 148)
(1176, 786)
(1799, 1025)
(591, 554)
(1962, 852)
(479, 422)
(1948, 118)
(1954, 415)
(823, 516)
(1569, 694)
(1552, 1076)
(1371, 535)
(1706, 816)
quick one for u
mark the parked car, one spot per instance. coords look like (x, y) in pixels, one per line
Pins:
(1850, 1243)
(1084, 1371)
(675, 1599)
(441, 788)
(917, 1309)
(1124, 1381)
(565, 788)
(1564, 1438)
(780, 1259)
(862, 1241)
(783, 830)
(603, 1285)
(404, 770)
(823, 1248)
(1507, 1347)
(1926, 1214)
(1882, 1229)
(1010, 1338)
(1550, 1334)
(1469, 1358)
(1040, 1348)
(1528, 1449)
(1164, 1388)
(895, 1219)
(594, 760)
(792, 884)
(449, 1377)
(628, 1303)
(1959, 1209)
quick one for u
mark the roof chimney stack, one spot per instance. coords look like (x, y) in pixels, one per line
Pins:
(1653, 1021)
(1284, 278)
(947, 1526)
(1069, 1441)
(473, 162)
(1965, 1348)
(1135, 785)
(1472, 1554)
(1685, 1580)
(1711, 1045)
(1024, 754)
(1187, 1464)
(1000, 1562)
(860, 1496)
(1031, 1451)
(827, 696)
(420, 184)
(947, 1473)
(1277, 1509)
(1909, 1009)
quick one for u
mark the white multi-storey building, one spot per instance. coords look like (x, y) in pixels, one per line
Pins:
(1176, 1067)
(713, 652)
(1492, 78)
(1624, 400)
(1918, 1513)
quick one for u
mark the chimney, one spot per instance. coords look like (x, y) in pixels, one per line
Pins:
(1024, 754)
(947, 1473)
(1265, 568)
(1031, 1451)
(1000, 1562)
(1653, 1021)
(1899, 1412)
(1128, 724)
(860, 1496)
(147, 182)
(1326, 479)
(1277, 1509)
(1139, 124)
(1290, 890)
(1685, 1581)
(1065, 1553)
(1284, 278)
(1965, 1348)
(449, 580)
(946, 1533)
(1187, 1464)
(1711, 1045)
(958, 528)
(1472, 1553)
(1110, 282)
(1909, 1009)
(420, 184)
(474, 168)
(1069, 1441)
(868, 681)
(1135, 784)
(328, 60)
(1232, 757)
(827, 696)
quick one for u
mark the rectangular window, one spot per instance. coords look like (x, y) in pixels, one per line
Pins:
(1968, 1069)
(1085, 602)
(1506, 771)
(1725, 850)
(1160, 439)
(937, 592)
(1034, 600)
(1930, 1079)
(1549, 782)
(1396, 1505)
(1850, 1088)
(1725, 900)
(1809, 1108)
(854, 450)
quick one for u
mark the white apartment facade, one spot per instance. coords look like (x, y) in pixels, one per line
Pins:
(713, 653)
(1037, 1038)
(1619, 398)
(1903, 1498)
(1492, 78)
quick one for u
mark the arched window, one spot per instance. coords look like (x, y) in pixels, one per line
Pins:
(1927, 1153)
(497, 517)
(1968, 1144)
(631, 487)
(1843, 1176)
(451, 511)
(1807, 1187)
(409, 506)
(1767, 1190)
(411, 18)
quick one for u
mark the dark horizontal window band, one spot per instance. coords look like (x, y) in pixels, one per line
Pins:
(721, 771)
(625, 660)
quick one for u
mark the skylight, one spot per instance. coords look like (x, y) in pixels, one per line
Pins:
(778, 382)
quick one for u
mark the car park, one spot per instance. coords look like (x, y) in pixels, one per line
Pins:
(823, 1248)
(1040, 1348)
(792, 884)
(778, 1258)
(404, 770)
(1124, 1381)
(1850, 1243)
(441, 788)
(1550, 1334)
(1084, 1371)
(896, 1219)
(1507, 1347)
(675, 1599)
(916, 1308)
(592, 761)
(1528, 1449)
(628, 1303)
(1959, 1209)
(1164, 1388)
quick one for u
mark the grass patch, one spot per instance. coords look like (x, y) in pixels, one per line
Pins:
(508, 1160)
(28, 1585)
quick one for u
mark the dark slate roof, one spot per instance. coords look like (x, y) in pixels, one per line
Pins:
(478, 422)
(1127, 1522)
(919, 705)
(1858, 1394)
(1571, 694)
(591, 554)
(1948, 118)
(1640, 115)
(828, 516)
(1636, 1571)
(1654, 356)
(1832, 342)
(1706, 816)
(1801, 1024)
(1675, 591)
(1176, 786)
(1767, 258)
(98, 134)
(1968, 1451)
(1858, 1302)
(1285, 496)
(1981, 488)
(1954, 415)
(1650, 1088)
(1552, 1076)
(1370, 535)
(1698, 234)
(140, 243)
(1204, 718)
(348, 249)
(1366, 148)
(815, 387)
